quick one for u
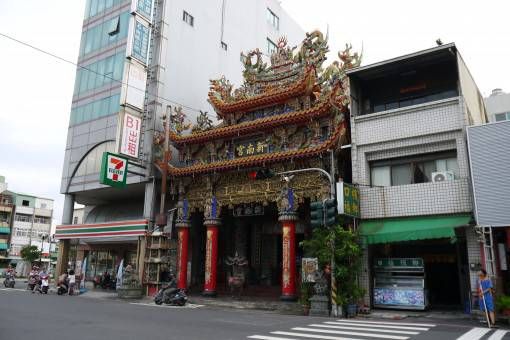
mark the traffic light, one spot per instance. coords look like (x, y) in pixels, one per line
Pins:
(263, 173)
(330, 211)
(316, 214)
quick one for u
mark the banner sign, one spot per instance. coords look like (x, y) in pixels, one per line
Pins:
(130, 136)
(399, 262)
(113, 170)
(248, 210)
(309, 267)
(348, 200)
(251, 148)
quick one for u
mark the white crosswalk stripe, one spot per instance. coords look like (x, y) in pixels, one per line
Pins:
(483, 332)
(498, 335)
(349, 330)
(188, 305)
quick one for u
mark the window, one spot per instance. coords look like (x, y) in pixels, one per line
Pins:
(44, 205)
(113, 26)
(23, 218)
(271, 47)
(412, 170)
(502, 116)
(25, 203)
(186, 17)
(273, 19)
(224, 46)
(75, 220)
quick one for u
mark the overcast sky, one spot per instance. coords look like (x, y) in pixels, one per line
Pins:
(36, 89)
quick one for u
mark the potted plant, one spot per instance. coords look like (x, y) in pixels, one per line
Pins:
(304, 296)
(347, 253)
(503, 305)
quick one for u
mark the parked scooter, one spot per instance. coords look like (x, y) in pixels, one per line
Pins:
(33, 278)
(44, 284)
(171, 295)
(9, 281)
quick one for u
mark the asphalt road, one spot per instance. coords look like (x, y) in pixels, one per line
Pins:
(32, 316)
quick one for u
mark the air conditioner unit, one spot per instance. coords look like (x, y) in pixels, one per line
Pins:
(441, 176)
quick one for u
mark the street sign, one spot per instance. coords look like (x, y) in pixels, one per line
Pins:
(130, 136)
(113, 170)
(348, 199)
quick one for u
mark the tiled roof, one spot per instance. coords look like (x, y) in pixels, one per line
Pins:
(276, 95)
(260, 159)
(321, 109)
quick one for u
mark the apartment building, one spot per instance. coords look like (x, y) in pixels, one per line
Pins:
(409, 157)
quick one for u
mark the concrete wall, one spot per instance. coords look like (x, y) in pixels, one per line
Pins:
(475, 108)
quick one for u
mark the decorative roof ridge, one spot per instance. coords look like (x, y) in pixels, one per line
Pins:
(256, 124)
(259, 159)
(301, 86)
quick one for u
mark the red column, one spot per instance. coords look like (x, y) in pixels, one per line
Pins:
(288, 257)
(211, 257)
(182, 255)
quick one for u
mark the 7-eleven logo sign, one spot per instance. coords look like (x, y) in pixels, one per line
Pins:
(113, 170)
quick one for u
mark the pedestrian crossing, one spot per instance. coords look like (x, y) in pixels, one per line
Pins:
(349, 329)
(478, 333)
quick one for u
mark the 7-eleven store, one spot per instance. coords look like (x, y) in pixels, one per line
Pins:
(104, 245)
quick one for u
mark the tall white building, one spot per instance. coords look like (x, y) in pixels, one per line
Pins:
(137, 58)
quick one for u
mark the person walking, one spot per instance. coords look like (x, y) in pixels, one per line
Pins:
(486, 298)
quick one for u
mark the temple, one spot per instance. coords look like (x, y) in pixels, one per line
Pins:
(290, 113)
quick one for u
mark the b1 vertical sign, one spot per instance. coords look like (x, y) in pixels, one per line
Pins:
(113, 170)
(130, 137)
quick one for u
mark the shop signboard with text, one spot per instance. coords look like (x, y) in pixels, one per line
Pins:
(130, 135)
(113, 170)
(348, 199)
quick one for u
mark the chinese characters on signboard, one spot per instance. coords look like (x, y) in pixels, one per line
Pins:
(250, 148)
(309, 267)
(140, 42)
(144, 7)
(130, 137)
(348, 199)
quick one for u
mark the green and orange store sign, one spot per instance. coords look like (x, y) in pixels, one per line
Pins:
(97, 230)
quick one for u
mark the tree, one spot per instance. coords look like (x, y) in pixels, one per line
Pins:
(348, 254)
(30, 253)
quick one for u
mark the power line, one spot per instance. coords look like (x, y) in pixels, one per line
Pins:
(100, 74)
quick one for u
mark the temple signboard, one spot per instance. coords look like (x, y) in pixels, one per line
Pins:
(250, 148)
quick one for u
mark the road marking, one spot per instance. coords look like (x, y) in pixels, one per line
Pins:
(370, 335)
(312, 336)
(474, 334)
(349, 323)
(498, 335)
(263, 337)
(188, 305)
(390, 323)
(17, 289)
(366, 329)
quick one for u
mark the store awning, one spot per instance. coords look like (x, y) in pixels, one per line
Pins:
(3, 245)
(412, 228)
(5, 230)
(102, 230)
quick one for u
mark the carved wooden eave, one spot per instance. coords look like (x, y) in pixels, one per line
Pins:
(272, 97)
(319, 110)
(262, 159)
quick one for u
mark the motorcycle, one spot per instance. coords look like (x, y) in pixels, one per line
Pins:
(9, 280)
(171, 295)
(62, 287)
(44, 284)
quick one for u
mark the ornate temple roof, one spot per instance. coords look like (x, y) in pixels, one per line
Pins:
(293, 93)
(263, 159)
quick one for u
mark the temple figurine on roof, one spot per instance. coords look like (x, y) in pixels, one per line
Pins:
(291, 114)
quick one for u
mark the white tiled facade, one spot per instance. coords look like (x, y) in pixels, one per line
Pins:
(436, 126)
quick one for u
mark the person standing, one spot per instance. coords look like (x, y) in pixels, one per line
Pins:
(486, 298)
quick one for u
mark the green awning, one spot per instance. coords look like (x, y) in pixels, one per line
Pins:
(412, 228)
(3, 246)
(5, 230)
